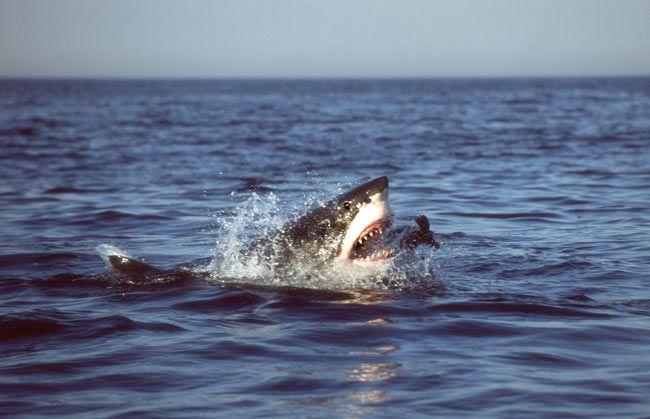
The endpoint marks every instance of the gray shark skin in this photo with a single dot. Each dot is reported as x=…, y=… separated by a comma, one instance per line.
x=353, y=228
x=320, y=234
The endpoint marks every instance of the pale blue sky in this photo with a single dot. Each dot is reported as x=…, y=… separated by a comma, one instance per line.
x=330, y=38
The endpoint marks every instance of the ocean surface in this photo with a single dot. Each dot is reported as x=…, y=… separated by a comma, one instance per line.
x=537, y=304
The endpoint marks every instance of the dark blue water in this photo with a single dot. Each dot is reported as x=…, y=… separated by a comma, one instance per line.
x=537, y=304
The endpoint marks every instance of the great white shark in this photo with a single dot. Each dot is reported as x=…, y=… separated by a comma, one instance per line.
x=354, y=228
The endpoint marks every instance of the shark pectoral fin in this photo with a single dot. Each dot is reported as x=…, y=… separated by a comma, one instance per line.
x=424, y=235
x=132, y=266
x=423, y=222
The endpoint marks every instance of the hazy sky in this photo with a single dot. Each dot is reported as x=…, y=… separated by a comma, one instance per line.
x=335, y=38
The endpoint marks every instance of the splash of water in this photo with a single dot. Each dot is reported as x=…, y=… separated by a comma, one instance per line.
x=261, y=216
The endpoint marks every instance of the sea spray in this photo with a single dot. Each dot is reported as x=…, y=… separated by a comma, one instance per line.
x=262, y=216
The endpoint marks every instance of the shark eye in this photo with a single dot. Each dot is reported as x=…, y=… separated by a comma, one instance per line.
x=346, y=205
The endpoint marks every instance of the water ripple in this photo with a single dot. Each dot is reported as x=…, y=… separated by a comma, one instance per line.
x=536, y=305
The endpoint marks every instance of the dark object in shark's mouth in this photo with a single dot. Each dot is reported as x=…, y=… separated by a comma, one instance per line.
x=370, y=245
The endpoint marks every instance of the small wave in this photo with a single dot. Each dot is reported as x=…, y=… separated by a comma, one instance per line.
x=475, y=329
x=47, y=122
x=25, y=131
x=74, y=190
x=612, y=275
x=250, y=184
x=62, y=281
x=114, y=216
x=454, y=235
x=356, y=335
x=546, y=359
x=570, y=266
x=514, y=308
x=560, y=200
x=485, y=267
x=592, y=173
x=235, y=122
x=111, y=215
x=40, y=323
x=639, y=306
x=528, y=216
x=234, y=350
x=223, y=301
x=293, y=384
x=360, y=307
x=63, y=189
x=522, y=101
x=31, y=127
x=18, y=328
x=36, y=258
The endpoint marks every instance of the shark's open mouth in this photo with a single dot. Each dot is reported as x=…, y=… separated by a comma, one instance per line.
x=370, y=246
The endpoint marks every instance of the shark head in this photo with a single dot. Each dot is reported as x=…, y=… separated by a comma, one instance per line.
x=348, y=228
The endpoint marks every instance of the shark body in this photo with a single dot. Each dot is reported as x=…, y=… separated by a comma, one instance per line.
x=353, y=228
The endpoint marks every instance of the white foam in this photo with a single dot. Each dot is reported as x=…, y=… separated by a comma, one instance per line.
x=260, y=216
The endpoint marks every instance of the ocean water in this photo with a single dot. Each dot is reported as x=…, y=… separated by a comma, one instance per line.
x=536, y=305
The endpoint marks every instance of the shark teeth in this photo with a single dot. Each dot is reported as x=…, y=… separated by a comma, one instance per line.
x=366, y=237
x=376, y=229
x=369, y=252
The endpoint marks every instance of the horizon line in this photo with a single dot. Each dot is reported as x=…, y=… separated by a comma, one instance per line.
x=319, y=77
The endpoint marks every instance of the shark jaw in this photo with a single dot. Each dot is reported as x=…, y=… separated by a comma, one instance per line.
x=362, y=243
